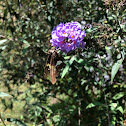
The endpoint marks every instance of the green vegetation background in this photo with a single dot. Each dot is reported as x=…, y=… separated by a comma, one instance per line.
x=90, y=90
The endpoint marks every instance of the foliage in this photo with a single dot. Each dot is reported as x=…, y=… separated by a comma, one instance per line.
x=91, y=89
x=2, y=94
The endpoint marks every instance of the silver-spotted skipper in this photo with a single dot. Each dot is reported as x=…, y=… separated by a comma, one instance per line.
x=53, y=65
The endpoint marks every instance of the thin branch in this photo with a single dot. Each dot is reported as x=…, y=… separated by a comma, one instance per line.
x=79, y=113
x=107, y=109
x=2, y=120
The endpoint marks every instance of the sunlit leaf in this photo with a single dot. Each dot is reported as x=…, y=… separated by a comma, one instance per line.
x=117, y=65
x=3, y=41
x=91, y=29
x=108, y=49
x=118, y=95
x=2, y=94
x=120, y=109
x=16, y=121
x=94, y=104
x=113, y=104
x=65, y=70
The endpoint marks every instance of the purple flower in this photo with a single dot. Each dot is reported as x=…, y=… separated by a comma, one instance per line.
x=68, y=36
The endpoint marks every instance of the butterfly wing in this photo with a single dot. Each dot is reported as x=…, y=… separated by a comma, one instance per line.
x=53, y=71
x=59, y=63
x=53, y=65
x=47, y=68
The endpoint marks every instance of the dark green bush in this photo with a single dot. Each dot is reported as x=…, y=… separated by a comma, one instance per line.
x=91, y=89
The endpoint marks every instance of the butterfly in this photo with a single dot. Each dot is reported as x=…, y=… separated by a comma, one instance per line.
x=53, y=65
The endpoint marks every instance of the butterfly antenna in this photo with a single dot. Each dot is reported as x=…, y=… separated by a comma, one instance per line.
x=48, y=44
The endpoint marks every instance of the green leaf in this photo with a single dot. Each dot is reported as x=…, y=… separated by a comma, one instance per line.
x=25, y=49
x=118, y=95
x=91, y=105
x=2, y=94
x=80, y=61
x=116, y=66
x=113, y=106
x=65, y=70
x=49, y=18
x=3, y=41
x=113, y=123
x=120, y=109
x=67, y=57
x=72, y=60
x=16, y=121
x=26, y=42
x=123, y=26
x=110, y=17
x=56, y=118
x=67, y=66
x=91, y=29
x=108, y=49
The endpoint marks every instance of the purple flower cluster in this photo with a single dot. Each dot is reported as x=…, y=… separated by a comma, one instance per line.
x=68, y=36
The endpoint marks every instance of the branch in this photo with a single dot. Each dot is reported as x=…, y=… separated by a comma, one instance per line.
x=2, y=120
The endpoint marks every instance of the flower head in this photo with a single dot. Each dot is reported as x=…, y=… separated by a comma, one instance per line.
x=68, y=36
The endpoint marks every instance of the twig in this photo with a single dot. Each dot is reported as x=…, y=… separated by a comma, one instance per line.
x=2, y=120
x=79, y=113
x=107, y=109
x=4, y=37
